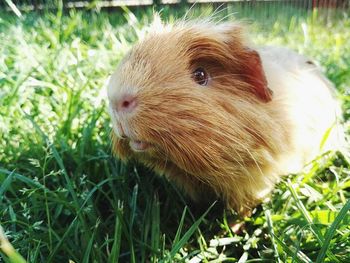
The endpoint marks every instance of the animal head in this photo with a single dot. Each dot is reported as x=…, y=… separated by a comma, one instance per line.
x=192, y=96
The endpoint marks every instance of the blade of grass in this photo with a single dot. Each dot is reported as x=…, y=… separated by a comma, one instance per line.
x=314, y=229
x=72, y=224
x=179, y=229
x=330, y=232
x=9, y=250
x=297, y=255
x=5, y=184
x=176, y=247
x=58, y=160
x=270, y=227
x=25, y=179
x=155, y=229
x=133, y=207
x=13, y=8
x=88, y=248
x=114, y=256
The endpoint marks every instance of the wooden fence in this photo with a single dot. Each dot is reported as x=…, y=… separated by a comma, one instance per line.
x=43, y=4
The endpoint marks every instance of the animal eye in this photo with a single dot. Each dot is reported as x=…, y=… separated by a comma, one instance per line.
x=200, y=76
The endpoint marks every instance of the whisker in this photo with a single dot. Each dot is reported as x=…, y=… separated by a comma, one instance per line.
x=218, y=10
x=225, y=17
x=184, y=19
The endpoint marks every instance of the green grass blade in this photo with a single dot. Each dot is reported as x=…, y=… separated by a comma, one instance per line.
x=326, y=136
x=114, y=256
x=73, y=222
x=5, y=184
x=9, y=250
x=87, y=252
x=272, y=234
x=59, y=161
x=179, y=229
x=24, y=179
x=176, y=247
x=297, y=255
x=133, y=206
x=13, y=8
x=317, y=233
x=330, y=232
x=300, y=205
x=155, y=228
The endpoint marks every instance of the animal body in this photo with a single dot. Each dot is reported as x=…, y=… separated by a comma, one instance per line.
x=197, y=103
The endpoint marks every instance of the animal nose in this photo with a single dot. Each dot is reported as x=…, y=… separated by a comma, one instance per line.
x=126, y=104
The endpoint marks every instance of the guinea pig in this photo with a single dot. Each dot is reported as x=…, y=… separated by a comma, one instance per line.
x=199, y=104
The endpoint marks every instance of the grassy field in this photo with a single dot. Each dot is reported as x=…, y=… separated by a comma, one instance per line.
x=64, y=197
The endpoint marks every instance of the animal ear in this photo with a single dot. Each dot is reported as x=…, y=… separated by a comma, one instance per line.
x=249, y=60
x=253, y=73
x=225, y=46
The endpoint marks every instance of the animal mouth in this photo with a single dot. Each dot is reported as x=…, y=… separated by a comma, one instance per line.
x=123, y=131
x=139, y=146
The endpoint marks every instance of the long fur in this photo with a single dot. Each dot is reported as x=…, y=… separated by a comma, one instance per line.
x=229, y=138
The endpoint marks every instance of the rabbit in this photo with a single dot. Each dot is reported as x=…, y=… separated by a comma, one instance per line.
x=199, y=104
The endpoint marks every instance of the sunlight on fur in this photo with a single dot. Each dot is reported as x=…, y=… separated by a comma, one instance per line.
x=199, y=104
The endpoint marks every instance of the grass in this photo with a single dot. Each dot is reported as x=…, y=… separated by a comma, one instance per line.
x=64, y=197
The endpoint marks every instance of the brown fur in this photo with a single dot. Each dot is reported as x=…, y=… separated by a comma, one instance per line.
x=228, y=137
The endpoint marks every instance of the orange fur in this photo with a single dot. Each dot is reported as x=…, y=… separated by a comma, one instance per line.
x=233, y=137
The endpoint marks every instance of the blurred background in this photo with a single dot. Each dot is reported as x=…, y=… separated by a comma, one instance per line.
x=65, y=198
x=44, y=4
